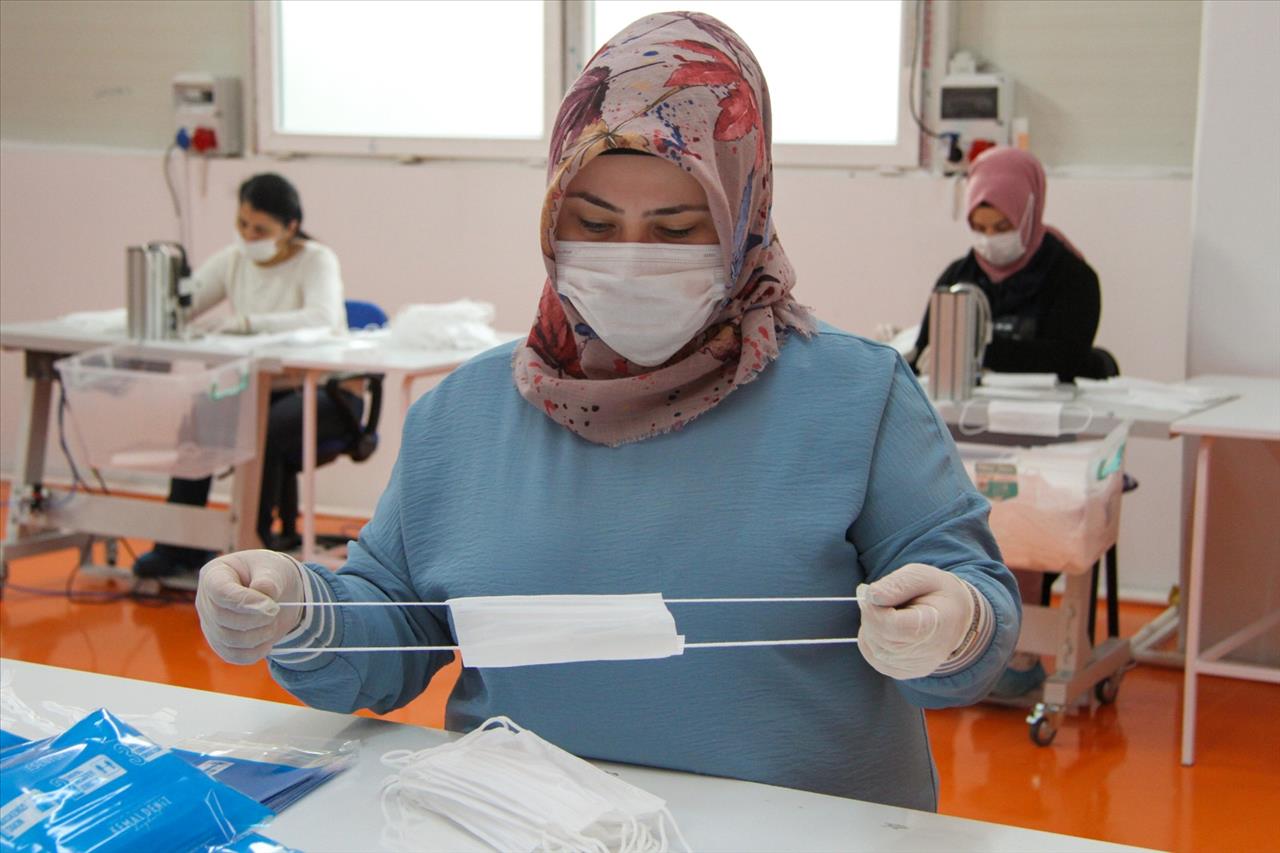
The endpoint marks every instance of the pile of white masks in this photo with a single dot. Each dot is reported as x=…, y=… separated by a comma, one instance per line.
x=461, y=325
x=517, y=792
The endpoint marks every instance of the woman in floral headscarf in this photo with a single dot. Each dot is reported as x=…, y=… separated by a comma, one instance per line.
x=677, y=423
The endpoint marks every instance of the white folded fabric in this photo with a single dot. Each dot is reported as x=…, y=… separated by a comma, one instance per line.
x=464, y=324
x=520, y=630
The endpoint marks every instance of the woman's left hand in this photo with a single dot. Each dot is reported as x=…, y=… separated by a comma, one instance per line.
x=913, y=620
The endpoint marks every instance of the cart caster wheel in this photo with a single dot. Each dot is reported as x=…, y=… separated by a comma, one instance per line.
x=1042, y=732
x=1107, y=690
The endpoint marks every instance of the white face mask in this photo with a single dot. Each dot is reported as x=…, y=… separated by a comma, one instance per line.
x=516, y=791
x=999, y=249
x=1004, y=248
x=258, y=251
x=645, y=300
x=522, y=630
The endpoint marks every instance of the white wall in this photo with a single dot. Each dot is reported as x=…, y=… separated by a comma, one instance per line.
x=1234, y=324
x=867, y=249
x=1103, y=82
x=97, y=72
x=1235, y=271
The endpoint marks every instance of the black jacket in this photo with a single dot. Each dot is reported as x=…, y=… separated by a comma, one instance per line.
x=1045, y=315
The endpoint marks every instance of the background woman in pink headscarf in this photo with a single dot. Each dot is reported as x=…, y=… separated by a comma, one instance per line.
x=1045, y=304
x=1044, y=296
x=674, y=422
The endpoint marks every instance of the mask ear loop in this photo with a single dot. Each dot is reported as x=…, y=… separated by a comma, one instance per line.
x=1028, y=217
x=1088, y=418
x=960, y=425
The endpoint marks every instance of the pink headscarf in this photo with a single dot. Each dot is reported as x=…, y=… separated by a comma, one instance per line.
x=1012, y=181
x=684, y=87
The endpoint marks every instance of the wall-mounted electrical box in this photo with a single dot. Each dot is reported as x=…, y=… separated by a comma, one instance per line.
x=977, y=107
x=207, y=114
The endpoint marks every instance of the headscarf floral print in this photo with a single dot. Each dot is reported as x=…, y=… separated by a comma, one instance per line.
x=684, y=87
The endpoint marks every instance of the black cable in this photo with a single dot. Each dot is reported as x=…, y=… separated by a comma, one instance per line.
x=76, y=480
x=917, y=44
x=162, y=598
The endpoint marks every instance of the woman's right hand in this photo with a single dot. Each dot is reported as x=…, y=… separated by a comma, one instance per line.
x=239, y=598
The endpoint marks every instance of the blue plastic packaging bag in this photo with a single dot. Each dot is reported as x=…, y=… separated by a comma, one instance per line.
x=101, y=786
x=276, y=786
x=8, y=739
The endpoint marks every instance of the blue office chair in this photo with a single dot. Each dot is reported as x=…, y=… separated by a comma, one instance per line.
x=364, y=315
x=358, y=442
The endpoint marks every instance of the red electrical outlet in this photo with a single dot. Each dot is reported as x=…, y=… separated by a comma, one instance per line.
x=204, y=139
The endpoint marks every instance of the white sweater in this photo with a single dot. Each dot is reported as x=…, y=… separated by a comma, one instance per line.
x=303, y=292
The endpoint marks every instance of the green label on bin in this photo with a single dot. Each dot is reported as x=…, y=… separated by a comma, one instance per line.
x=216, y=393
x=997, y=481
x=1109, y=466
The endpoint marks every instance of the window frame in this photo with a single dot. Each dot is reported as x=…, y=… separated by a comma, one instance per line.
x=567, y=45
x=272, y=140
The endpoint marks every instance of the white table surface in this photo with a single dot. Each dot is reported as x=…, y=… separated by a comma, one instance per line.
x=344, y=814
x=1254, y=414
x=1104, y=412
x=360, y=352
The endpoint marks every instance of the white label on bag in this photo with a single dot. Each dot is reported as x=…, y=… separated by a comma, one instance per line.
x=1024, y=417
x=213, y=767
x=21, y=813
x=92, y=775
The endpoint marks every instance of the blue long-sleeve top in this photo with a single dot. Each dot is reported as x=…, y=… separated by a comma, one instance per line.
x=829, y=470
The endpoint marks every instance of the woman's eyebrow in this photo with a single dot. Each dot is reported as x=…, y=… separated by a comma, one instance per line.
x=597, y=201
x=679, y=208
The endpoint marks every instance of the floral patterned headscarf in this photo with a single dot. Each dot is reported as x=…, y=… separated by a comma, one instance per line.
x=684, y=87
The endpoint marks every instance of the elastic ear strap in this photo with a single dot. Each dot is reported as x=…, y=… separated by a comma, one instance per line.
x=1028, y=216
x=728, y=644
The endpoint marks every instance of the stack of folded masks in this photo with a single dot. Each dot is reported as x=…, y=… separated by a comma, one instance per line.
x=516, y=791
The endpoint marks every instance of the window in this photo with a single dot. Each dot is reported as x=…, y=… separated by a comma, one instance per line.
x=837, y=72
x=358, y=76
x=408, y=78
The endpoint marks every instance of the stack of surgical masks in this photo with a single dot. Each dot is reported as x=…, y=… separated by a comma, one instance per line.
x=517, y=792
x=461, y=325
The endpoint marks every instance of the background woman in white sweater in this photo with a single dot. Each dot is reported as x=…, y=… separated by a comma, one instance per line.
x=274, y=278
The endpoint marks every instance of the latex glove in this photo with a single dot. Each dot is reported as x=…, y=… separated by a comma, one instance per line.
x=238, y=599
x=913, y=619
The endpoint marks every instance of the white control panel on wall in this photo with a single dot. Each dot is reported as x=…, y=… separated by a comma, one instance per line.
x=207, y=114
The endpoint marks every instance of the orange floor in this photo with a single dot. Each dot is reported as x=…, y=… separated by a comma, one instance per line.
x=1113, y=776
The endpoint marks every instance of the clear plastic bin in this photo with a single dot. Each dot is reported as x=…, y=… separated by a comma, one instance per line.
x=131, y=408
x=1054, y=508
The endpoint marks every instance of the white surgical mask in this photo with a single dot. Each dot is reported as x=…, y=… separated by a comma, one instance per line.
x=999, y=249
x=523, y=630
x=645, y=300
x=1004, y=248
x=259, y=251
x=516, y=791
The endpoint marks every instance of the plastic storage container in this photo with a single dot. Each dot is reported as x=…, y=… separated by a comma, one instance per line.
x=1054, y=508
x=139, y=409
